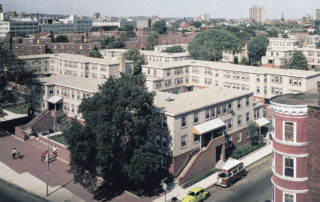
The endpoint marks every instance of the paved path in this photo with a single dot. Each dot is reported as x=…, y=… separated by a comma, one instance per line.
x=180, y=192
x=9, y=116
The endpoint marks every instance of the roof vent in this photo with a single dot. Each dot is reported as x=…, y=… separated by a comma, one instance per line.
x=169, y=99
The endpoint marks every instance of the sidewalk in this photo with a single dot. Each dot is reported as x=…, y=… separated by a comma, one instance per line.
x=180, y=192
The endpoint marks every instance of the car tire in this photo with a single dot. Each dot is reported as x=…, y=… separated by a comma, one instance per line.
x=206, y=196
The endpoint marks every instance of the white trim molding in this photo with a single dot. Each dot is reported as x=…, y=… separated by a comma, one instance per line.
x=293, y=110
x=291, y=155
x=298, y=144
x=290, y=191
x=300, y=179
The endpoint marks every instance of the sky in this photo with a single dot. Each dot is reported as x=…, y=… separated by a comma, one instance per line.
x=234, y=9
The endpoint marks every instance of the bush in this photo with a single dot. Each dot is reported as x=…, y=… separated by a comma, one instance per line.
x=245, y=149
x=200, y=177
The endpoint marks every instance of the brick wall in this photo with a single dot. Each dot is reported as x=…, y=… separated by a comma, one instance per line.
x=314, y=154
x=205, y=161
x=179, y=161
x=44, y=124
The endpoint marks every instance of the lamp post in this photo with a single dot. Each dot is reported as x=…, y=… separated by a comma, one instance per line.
x=164, y=187
x=47, y=173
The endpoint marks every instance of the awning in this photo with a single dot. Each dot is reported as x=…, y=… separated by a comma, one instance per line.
x=54, y=99
x=208, y=126
x=262, y=122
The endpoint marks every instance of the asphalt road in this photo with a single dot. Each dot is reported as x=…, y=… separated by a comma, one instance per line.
x=255, y=187
x=11, y=193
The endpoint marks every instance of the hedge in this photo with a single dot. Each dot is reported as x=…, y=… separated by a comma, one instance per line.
x=200, y=177
x=245, y=149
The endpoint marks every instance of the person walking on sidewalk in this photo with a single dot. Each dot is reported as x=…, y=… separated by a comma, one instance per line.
x=14, y=152
x=55, y=153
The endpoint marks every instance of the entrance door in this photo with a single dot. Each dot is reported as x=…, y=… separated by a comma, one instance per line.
x=218, y=153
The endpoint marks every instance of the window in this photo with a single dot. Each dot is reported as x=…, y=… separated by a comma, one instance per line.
x=219, y=110
x=183, y=121
x=184, y=140
x=239, y=104
x=224, y=108
x=164, y=142
x=196, y=138
x=230, y=105
x=239, y=120
x=288, y=197
x=289, y=131
x=258, y=90
x=196, y=117
x=247, y=101
x=229, y=124
x=239, y=137
x=289, y=167
x=207, y=113
x=228, y=141
x=248, y=116
x=213, y=112
x=158, y=141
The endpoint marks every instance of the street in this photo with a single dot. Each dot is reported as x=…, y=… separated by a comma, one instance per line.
x=255, y=187
x=11, y=193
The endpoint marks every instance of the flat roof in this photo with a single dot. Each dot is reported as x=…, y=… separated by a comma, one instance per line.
x=230, y=164
x=23, y=57
x=309, y=97
x=84, y=84
x=195, y=100
x=235, y=67
x=150, y=53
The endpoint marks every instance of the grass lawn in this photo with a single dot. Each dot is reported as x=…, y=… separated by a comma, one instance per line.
x=18, y=109
x=59, y=138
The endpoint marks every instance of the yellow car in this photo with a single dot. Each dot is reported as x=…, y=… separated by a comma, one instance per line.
x=196, y=194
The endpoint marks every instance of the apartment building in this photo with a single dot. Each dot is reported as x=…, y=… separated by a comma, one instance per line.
x=279, y=58
x=257, y=14
x=57, y=27
x=318, y=14
x=80, y=24
x=76, y=66
x=149, y=56
x=295, y=132
x=204, y=122
x=264, y=82
x=288, y=43
x=62, y=93
x=19, y=27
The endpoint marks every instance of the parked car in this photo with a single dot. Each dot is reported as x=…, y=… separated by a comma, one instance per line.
x=196, y=194
x=231, y=172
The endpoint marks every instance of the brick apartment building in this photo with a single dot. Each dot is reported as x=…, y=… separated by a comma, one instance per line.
x=296, y=139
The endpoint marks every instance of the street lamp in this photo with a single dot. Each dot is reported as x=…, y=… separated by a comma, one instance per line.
x=47, y=173
x=164, y=187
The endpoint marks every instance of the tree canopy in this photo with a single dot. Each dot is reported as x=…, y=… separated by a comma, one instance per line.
x=14, y=71
x=112, y=42
x=61, y=39
x=173, y=49
x=118, y=138
x=298, y=61
x=160, y=27
x=257, y=48
x=209, y=45
x=95, y=53
x=152, y=40
x=138, y=58
x=130, y=34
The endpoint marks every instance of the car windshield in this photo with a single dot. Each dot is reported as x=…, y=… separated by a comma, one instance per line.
x=222, y=175
x=191, y=193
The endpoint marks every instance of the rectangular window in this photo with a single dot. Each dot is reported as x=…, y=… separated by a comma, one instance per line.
x=229, y=124
x=239, y=137
x=183, y=121
x=213, y=112
x=164, y=142
x=239, y=120
x=289, y=167
x=184, y=140
x=239, y=104
x=219, y=110
x=288, y=197
x=230, y=105
x=196, y=117
x=229, y=141
x=224, y=108
x=247, y=101
x=288, y=131
x=248, y=116
x=196, y=138
x=158, y=141
x=207, y=113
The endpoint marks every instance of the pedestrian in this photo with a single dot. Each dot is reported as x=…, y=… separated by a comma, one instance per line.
x=55, y=151
x=14, y=152
x=43, y=156
x=46, y=156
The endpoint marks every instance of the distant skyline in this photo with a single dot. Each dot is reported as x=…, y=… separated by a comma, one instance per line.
x=292, y=9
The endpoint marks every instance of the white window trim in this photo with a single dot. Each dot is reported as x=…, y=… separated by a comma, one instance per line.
x=239, y=139
x=294, y=167
x=294, y=131
x=186, y=122
x=186, y=141
x=284, y=193
x=205, y=114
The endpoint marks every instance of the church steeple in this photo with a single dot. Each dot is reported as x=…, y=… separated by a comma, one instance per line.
x=282, y=17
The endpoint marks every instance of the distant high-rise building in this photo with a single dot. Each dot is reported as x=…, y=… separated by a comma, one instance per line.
x=257, y=14
x=96, y=14
x=282, y=17
x=318, y=14
x=307, y=19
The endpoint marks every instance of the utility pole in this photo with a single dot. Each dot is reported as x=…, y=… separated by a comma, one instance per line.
x=47, y=173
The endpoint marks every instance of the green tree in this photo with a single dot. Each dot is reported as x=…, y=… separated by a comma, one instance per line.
x=61, y=39
x=95, y=53
x=252, y=132
x=318, y=45
x=196, y=24
x=118, y=138
x=130, y=34
x=160, y=27
x=298, y=61
x=12, y=70
x=285, y=35
x=173, y=49
x=273, y=33
x=209, y=45
x=257, y=48
x=117, y=43
x=138, y=58
x=235, y=60
x=152, y=40
x=244, y=61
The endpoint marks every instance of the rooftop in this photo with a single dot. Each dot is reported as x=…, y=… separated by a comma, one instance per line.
x=150, y=53
x=309, y=97
x=88, y=85
x=236, y=68
x=176, y=104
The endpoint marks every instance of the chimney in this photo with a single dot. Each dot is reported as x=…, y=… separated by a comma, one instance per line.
x=318, y=92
